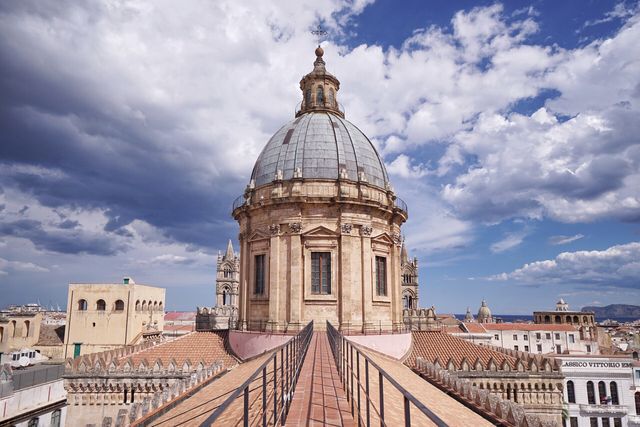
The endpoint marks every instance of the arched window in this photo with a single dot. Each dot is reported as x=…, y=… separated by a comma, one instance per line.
x=25, y=331
x=331, y=97
x=614, y=393
x=155, y=306
x=547, y=319
x=55, y=418
x=119, y=305
x=138, y=306
x=149, y=305
x=558, y=319
x=307, y=98
x=576, y=319
x=144, y=306
x=602, y=392
x=1, y=333
x=591, y=393
x=160, y=306
x=224, y=297
x=637, y=399
x=571, y=392
x=584, y=319
x=410, y=302
x=319, y=96
x=82, y=305
x=14, y=327
x=568, y=319
x=101, y=305
x=405, y=301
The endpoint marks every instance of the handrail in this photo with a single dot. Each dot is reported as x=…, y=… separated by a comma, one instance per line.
x=343, y=353
x=292, y=355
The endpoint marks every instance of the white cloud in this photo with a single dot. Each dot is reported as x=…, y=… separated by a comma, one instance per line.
x=510, y=241
x=617, y=267
x=563, y=240
x=7, y=266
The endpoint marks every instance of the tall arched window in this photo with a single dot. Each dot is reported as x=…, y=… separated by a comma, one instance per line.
x=602, y=392
x=332, y=97
x=571, y=392
x=591, y=393
x=101, y=305
x=557, y=319
x=225, y=295
x=82, y=305
x=319, y=96
x=144, y=306
x=160, y=306
x=119, y=305
x=307, y=98
x=138, y=306
x=575, y=319
x=568, y=319
x=14, y=327
x=1, y=333
x=614, y=393
x=547, y=319
x=25, y=331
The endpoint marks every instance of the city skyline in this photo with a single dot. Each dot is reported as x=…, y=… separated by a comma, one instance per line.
x=509, y=129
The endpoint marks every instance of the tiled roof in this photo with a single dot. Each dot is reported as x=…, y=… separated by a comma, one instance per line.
x=476, y=328
x=51, y=335
x=176, y=328
x=432, y=345
x=528, y=327
x=180, y=315
x=208, y=347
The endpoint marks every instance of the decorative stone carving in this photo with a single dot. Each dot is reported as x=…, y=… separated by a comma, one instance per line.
x=366, y=230
x=346, y=228
x=295, y=227
x=397, y=239
x=274, y=229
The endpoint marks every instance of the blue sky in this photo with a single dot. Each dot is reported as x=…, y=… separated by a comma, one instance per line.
x=511, y=130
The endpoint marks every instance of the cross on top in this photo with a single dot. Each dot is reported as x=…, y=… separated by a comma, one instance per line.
x=319, y=32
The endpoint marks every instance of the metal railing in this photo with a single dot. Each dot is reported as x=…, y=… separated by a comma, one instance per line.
x=346, y=328
x=371, y=410
x=271, y=385
x=400, y=204
x=239, y=201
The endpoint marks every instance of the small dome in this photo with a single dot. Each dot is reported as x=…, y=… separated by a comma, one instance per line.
x=320, y=145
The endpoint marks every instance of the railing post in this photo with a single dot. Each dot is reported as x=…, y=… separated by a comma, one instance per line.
x=246, y=406
x=351, y=369
x=366, y=374
x=407, y=412
x=381, y=387
x=282, y=386
x=264, y=397
x=358, y=373
x=275, y=387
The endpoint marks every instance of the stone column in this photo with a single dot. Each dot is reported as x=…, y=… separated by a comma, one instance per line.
x=274, y=321
x=295, y=289
x=396, y=291
x=366, y=276
x=348, y=308
x=243, y=285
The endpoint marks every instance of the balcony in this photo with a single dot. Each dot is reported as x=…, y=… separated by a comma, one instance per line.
x=603, y=410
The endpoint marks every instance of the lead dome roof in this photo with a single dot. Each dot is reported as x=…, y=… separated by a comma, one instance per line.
x=320, y=145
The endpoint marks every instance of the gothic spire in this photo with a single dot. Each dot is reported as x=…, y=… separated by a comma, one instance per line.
x=229, y=254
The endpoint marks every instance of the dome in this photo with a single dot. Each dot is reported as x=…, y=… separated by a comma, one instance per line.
x=484, y=311
x=319, y=145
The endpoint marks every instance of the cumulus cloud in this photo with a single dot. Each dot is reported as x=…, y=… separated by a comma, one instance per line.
x=617, y=266
x=6, y=266
x=563, y=240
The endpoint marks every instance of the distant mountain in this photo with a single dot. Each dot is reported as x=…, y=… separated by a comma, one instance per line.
x=614, y=310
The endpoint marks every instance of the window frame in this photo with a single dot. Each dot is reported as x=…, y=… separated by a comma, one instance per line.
x=259, y=291
x=323, y=258
x=380, y=260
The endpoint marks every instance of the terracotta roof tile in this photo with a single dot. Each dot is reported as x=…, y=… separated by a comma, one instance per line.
x=180, y=315
x=476, y=328
x=209, y=347
x=432, y=345
x=51, y=335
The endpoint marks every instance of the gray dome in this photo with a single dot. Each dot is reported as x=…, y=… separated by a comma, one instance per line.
x=319, y=145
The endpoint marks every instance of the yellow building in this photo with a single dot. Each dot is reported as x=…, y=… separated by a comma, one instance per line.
x=19, y=330
x=320, y=224
x=105, y=316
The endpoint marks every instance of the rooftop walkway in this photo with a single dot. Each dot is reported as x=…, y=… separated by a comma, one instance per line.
x=319, y=399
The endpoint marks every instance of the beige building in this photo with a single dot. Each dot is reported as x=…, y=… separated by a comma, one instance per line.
x=105, y=316
x=409, y=272
x=19, y=330
x=320, y=224
x=583, y=320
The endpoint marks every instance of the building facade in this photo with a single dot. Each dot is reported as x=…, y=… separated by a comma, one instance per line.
x=584, y=321
x=320, y=224
x=409, y=271
x=598, y=391
x=227, y=278
x=540, y=339
x=105, y=316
